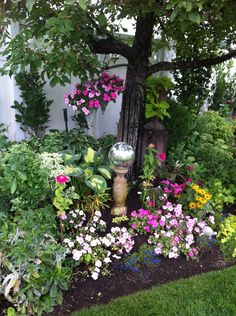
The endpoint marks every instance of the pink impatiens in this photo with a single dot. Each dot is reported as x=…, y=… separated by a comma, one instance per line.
x=170, y=231
x=95, y=93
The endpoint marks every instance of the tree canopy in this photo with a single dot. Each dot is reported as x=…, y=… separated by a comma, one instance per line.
x=63, y=38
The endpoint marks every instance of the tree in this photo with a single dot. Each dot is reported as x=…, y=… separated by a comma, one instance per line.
x=63, y=37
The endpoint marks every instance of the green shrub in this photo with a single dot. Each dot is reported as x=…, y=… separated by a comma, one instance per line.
x=33, y=112
x=210, y=145
x=21, y=175
x=227, y=236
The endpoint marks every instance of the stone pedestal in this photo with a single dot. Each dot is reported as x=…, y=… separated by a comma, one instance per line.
x=120, y=191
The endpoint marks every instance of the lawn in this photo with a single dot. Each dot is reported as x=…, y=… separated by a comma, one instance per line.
x=211, y=294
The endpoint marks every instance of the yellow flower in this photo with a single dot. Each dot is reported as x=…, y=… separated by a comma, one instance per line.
x=192, y=205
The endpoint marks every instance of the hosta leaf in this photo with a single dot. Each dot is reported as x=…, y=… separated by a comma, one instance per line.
x=97, y=184
x=90, y=155
x=105, y=172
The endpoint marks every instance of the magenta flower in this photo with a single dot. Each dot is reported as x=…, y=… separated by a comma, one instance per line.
x=134, y=226
x=147, y=229
x=161, y=156
x=150, y=203
x=61, y=179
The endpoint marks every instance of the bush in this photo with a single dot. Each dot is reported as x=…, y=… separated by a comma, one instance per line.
x=227, y=237
x=21, y=175
x=32, y=262
x=210, y=148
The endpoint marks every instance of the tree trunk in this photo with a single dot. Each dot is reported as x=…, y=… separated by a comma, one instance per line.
x=133, y=102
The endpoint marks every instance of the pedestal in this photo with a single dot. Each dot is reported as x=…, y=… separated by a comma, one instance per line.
x=120, y=191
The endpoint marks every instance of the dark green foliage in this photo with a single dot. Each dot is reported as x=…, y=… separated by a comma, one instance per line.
x=21, y=175
x=180, y=124
x=34, y=110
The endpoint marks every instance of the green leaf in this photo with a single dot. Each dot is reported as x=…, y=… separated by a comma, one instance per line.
x=70, y=1
x=77, y=171
x=83, y=4
x=105, y=172
x=13, y=186
x=189, y=6
x=11, y=311
x=194, y=17
x=88, y=172
x=88, y=258
x=97, y=184
x=90, y=155
x=30, y=4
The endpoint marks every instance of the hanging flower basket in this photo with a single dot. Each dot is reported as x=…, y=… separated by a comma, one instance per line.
x=88, y=97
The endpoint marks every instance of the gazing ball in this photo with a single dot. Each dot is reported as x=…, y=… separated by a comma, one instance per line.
x=121, y=155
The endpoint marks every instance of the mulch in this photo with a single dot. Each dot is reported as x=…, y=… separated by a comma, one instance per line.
x=84, y=293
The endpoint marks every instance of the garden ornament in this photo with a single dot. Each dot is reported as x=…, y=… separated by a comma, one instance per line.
x=121, y=157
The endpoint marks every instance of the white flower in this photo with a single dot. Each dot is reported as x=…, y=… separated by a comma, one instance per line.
x=98, y=263
x=92, y=229
x=76, y=254
x=81, y=213
x=71, y=244
x=88, y=238
x=97, y=269
x=207, y=231
x=94, y=275
x=107, y=260
x=102, y=223
x=98, y=213
x=116, y=257
x=95, y=219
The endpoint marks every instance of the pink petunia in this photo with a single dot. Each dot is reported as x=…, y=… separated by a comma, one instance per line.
x=61, y=179
x=161, y=156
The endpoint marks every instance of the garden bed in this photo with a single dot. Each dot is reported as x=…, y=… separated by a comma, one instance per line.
x=87, y=292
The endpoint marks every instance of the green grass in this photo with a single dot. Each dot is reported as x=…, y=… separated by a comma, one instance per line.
x=211, y=294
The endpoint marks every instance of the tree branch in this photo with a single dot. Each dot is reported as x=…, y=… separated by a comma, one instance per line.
x=190, y=64
x=107, y=67
x=112, y=46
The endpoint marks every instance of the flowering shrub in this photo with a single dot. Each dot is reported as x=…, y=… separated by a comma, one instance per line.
x=89, y=247
x=53, y=163
x=95, y=93
x=171, y=232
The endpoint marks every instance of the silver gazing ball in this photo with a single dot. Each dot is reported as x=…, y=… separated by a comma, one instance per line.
x=121, y=155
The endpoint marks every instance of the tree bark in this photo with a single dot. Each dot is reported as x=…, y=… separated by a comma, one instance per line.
x=137, y=72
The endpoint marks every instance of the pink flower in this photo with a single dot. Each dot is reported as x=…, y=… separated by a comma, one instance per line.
x=150, y=203
x=85, y=93
x=86, y=111
x=162, y=222
x=61, y=179
x=147, y=229
x=74, y=107
x=191, y=254
x=134, y=226
x=161, y=156
x=106, y=97
x=190, y=168
x=91, y=94
x=113, y=95
x=134, y=214
x=63, y=216
x=91, y=104
x=96, y=103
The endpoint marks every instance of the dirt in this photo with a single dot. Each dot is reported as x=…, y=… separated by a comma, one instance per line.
x=84, y=293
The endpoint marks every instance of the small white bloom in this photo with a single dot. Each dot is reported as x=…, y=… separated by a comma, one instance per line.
x=208, y=231
x=94, y=275
x=92, y=229
x=107, y=260
x=88, y=238
x=98, y=263
x=98, y=213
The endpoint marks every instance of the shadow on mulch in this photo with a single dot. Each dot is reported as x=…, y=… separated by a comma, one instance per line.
x=84, y=293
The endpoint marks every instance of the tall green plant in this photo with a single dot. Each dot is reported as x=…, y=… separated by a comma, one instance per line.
x=33, y=112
